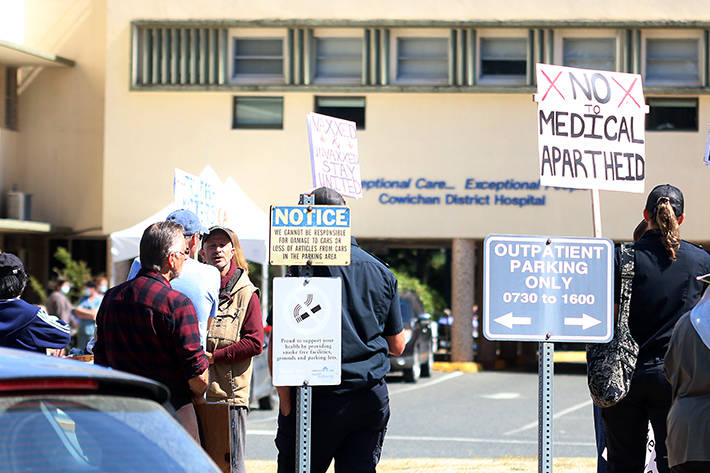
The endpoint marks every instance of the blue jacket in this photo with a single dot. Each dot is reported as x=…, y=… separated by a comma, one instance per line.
x=28, y=327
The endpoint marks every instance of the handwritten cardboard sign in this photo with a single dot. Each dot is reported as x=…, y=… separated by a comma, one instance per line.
x=591, y=129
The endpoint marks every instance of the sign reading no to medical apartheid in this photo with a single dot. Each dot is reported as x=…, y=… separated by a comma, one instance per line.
x=319, y=234
x=307, y=331
x=335, y=161
x=194, y=193
x=591, y=129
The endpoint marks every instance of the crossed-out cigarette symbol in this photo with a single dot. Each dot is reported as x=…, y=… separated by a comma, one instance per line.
x=307, y=310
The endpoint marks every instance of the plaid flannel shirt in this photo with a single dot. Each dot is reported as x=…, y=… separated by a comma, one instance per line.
x=147, y=328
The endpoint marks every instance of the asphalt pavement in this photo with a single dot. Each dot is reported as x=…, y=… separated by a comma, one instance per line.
x=490, y=414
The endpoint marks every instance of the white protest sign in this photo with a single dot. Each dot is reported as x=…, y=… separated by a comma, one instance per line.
x=307, y=336
x=591, y=129
x=194, y=193
x=335, y=161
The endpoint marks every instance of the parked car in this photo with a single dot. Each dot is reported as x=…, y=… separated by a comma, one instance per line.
x=262, y=392
x=418, y=356
x=64, y=416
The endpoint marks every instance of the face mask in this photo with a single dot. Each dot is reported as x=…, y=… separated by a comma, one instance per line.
x=65, y=289
x=103, y=288
x=87, y=292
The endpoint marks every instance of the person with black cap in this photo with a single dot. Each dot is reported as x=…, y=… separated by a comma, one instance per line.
x=664, y=287
x=349, y=420
x=235, y=336
x=23, y=325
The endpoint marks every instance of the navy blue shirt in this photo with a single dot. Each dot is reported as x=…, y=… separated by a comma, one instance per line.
x=370, y=312
x=662, y=290
x=28, y=327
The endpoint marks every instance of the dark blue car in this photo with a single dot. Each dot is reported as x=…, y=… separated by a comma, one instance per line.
x=65, y=416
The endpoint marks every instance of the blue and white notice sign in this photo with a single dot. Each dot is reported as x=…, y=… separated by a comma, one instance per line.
x=319, y=234
x=548, y=289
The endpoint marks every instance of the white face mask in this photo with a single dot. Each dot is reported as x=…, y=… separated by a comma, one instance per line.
x=65, y=289
x=103, y=288
x=87, y=292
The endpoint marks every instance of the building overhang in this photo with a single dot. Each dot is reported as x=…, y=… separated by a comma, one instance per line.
x=15, y=55
x=9, y=225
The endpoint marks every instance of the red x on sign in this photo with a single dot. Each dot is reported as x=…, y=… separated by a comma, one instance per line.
x=628, y=92
x=552, y=85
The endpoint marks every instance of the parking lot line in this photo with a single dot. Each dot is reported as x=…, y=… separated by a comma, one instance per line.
x=557, y=415
x=420, y=385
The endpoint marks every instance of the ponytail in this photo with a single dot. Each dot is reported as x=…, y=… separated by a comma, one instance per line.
x=668, y=226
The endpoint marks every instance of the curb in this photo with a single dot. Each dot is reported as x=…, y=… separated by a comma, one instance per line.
x=466, y=367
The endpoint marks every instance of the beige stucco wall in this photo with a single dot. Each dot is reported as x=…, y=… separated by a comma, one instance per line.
x=61, y=114
x=447, y=137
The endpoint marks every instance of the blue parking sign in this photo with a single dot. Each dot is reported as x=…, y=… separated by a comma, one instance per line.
x=548, y=289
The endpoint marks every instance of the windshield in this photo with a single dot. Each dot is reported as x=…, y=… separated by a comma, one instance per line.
x=76, y=434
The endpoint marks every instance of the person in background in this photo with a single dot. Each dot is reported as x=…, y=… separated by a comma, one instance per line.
x=102, y=285
x=147, y=328
x=664, y=288
x=350, y=420
x=235, y=336
x=58, y=303
x=85, y=311
x=22, y=325
x=687, y=368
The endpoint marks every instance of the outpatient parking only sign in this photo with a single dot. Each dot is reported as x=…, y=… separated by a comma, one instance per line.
x=548, y=289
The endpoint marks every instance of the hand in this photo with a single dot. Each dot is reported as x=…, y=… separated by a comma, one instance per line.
x=210, y=357
x=284, y=407
x=197, y=400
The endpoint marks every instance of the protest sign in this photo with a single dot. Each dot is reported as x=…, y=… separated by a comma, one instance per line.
x=194, y=193
x=591, y=129
x=706, y=159
x=335, y=161
x=307, y=331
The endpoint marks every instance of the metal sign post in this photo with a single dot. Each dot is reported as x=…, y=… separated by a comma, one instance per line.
x=546, y=369
x=304, y=393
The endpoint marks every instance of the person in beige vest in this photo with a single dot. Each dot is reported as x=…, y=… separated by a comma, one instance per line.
x=235, y=335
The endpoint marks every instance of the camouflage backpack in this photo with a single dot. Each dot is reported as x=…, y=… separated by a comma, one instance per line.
x=610, y=366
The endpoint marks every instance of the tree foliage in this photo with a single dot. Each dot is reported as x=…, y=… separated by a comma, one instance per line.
x=77, y=273
x=434, y=304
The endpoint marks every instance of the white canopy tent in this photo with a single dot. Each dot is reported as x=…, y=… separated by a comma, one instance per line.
x=239, y=213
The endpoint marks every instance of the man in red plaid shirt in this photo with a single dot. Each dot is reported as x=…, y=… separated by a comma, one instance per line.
x=147, y=328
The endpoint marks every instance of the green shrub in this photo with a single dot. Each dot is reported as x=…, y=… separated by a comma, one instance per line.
x=432, y=300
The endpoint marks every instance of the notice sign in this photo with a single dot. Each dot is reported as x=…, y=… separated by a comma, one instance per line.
x=335, y=162
x=319, y=234
x=554, y=289
x=307, y=335
x=591, y=129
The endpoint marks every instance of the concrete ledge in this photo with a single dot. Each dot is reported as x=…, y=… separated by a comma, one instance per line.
x=466, y=367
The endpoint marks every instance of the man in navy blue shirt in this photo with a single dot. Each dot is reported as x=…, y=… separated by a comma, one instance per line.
x=349, y=420
x=23, y=325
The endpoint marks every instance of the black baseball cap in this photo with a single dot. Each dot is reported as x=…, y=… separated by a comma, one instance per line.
x=11, y=263
x=326, y=196
x=674, y=195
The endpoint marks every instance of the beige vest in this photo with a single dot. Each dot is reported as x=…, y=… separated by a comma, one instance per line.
x=230, y=382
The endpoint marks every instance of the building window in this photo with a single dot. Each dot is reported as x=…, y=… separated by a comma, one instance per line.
x=258, y=113
x=672, y=114
x=672, y=61
x=589, y=53
x=338, y=60
x=422, y=60
x=347, y=108
x=258, y=60
x=503, y=60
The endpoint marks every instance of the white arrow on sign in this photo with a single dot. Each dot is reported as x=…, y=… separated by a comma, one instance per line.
x=508, y=320
x=585, y=321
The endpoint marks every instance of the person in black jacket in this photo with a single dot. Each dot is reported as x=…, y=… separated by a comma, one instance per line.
x=23, y=325
x=664, y=287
